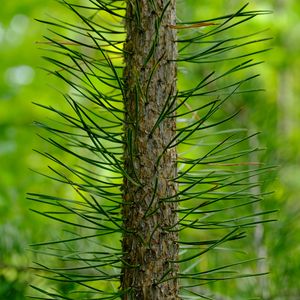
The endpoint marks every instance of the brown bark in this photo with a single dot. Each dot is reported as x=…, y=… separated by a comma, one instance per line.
x=150, y=241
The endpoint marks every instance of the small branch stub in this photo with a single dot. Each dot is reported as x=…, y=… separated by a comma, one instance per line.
x=196, y=25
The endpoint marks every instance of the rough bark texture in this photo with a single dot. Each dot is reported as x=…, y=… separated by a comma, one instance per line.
x=150, y=243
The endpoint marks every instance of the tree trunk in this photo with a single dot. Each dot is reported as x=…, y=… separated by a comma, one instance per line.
x=149, y=190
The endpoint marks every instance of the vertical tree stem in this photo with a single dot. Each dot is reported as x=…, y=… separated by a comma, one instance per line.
x=149, y=190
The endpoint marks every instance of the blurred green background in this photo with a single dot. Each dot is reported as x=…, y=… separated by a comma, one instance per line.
x=275, y=112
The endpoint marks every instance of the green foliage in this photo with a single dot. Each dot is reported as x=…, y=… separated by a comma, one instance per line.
x=277, y=119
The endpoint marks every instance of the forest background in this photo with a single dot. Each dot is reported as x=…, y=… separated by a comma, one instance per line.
x=275, y=112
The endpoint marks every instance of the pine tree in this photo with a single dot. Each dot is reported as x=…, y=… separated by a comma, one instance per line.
x=126, y=124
